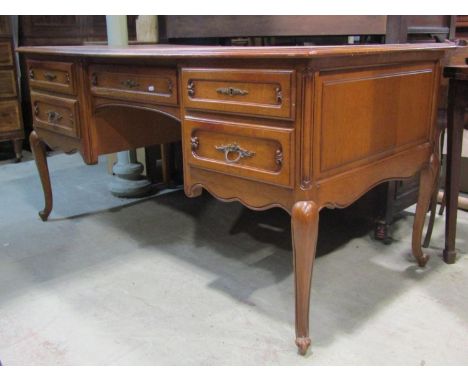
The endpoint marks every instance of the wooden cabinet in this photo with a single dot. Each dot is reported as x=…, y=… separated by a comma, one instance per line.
x=11, y=122
x=66, y=30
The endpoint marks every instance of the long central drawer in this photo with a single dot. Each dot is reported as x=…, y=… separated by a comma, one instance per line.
x=141, y=84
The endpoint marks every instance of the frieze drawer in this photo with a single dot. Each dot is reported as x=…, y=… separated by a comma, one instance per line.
x=7, y=83
x=10, y=119
x=267, y=93
x=6, y=54
x=147, y=85
x=52, y=76
x=259, y=153
x=59, y=115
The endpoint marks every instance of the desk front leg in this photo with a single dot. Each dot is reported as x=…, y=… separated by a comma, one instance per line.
x=39, y=150
x=304, y=221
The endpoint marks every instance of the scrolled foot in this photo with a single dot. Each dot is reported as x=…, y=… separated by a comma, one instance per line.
x=422, y=260
x=303, y=344
x=44, y=215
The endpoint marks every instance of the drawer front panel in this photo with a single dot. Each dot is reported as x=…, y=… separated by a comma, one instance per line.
x=7, y=83
x=9, y=116
x=148, y=85
x=268, y=93
x=6, y=54
x=60, y=115
x=259, y=152
x=53, y=76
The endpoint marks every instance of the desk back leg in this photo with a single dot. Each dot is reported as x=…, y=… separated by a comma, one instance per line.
x=304, y=222
x=39, y=150
x=427, y=183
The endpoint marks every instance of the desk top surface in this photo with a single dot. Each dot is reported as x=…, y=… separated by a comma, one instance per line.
x=193, y=51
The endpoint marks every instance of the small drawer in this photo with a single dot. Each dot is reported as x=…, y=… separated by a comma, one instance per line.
x=148, y=85
x=267, y=93
x=53, y=76
x=6, y=54
x=246, y=151
x=60, y=115
x=7, y=83
x=9, y=116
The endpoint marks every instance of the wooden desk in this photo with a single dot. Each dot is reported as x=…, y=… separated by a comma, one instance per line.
x=457, y=104
x=301, y=128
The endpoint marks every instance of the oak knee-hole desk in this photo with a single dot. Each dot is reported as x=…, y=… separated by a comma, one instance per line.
x=301, y=128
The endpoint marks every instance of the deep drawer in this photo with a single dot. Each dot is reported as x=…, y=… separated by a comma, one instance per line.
x=149, y=85
x=259, y=152
x=60, y=115
x=9, y=116
x=268, y=93
x=52, y=76
x=7, y=83
x=6, y=54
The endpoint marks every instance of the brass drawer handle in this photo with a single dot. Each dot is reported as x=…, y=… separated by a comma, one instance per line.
x=94, y=79
x=279, y=95
x=36, y=109
x=53, y=116
x=195, y=143
x=31, y=74
x=130, y=84
x=191, y=88
x=236, y=149
x=279, y=157
x=50, y=76
x=231, y=91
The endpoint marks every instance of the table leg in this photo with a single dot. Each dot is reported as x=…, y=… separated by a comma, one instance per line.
x=18, y=147
x=455, y=121
x=304, y=221
x=427, y=181
x=39, y=150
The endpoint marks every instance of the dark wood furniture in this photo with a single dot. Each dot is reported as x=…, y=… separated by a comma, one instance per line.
x=457, y=104
x=301, y=128
x=67, y=29
x=11, y=122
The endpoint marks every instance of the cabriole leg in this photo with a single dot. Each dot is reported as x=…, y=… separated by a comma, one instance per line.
x=426, y=186
x=304, y=221
x=39, y=150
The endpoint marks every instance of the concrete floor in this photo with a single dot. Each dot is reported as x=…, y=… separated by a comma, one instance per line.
x=174, y=281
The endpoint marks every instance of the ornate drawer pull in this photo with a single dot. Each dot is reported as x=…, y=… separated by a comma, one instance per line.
x=191, y=88
x=231, y=91
x=94, y=79
x=53, y=116
x=279, y=157
x=234, y=148
x=50, y=76
x=130, y=84
x=279, y=95
x=195, y=143
x=31, y=74
x=170, y=86
x=36, y=109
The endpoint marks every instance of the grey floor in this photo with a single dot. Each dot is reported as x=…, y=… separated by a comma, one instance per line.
x=173, y=281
